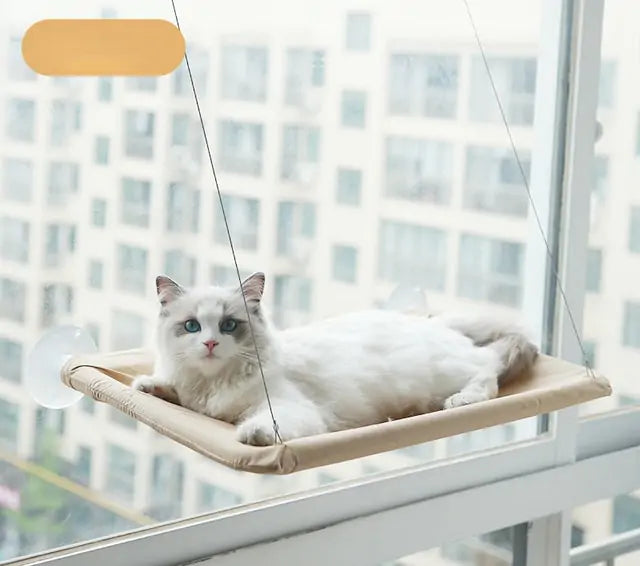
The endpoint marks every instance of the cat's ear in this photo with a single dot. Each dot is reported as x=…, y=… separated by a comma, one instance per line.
x=168, y=290
x=253, y=287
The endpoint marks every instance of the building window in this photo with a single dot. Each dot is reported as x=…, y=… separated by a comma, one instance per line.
x=626, y=513
x=96, y=274
x=413, y=255
x=66, y=120
x=243, y=216
x=304, y=76
x=358, y=37
x=224, y=276
x=606, y=90
x=132, y=269
x=292, y=300
x=14, y=239
x=17, y=69
x=120, y=472
x=10, y=360
x=180, y=267
x=20, y=119
x=212, y=497
x=244, y=73
x=418, y=170
x=354, y=108
x=138, y=135
x=88, y=405
x=296, y=228
x=105, y=89
x=300, y=154
x=423, y=85
x=17, y=179
x=199, y=63
x=127, y=330
x=141, y=84
x=180, y=129
x=64, y=179
x=57, y=302
x=167, y=479
x=594, y=270
x=121, y=419
x=136, y=202
x=60, y=242
x=634, y=229
x=101, y=155
x=631, y=329
x=240, y=148
x=589, y=352
x=345, y=263
x=82, y=466
x=490, y=270
x=493, y=181
x=9, y=424
x=183, y=208
x=515, y=80
x=349, y=186
x=99, y=212
x=13, y=296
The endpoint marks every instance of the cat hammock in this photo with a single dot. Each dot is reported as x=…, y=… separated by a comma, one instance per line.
x=554, y=384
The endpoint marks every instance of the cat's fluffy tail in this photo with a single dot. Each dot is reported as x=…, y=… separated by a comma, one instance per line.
x=494, y=330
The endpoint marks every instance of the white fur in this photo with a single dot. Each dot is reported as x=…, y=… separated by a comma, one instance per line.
x=353, y=370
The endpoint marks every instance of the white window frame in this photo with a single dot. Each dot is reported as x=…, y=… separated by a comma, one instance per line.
x=392, y=514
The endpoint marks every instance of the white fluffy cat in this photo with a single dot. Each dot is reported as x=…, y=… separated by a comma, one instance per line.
x=348, y=371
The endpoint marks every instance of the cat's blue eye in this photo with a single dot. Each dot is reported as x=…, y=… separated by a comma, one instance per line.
x=228, y=325
x=192, y=325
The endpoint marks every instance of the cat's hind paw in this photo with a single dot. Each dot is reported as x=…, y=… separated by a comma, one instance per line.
x=464, y=398
x=256, y=432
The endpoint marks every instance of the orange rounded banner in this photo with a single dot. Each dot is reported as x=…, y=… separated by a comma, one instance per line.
x=103, y=47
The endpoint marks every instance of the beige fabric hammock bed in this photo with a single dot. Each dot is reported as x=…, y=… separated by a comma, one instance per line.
x=554, y=384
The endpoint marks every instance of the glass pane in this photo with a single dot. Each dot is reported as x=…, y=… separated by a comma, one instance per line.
x=354, y=159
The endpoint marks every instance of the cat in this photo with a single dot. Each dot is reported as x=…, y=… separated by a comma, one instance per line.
x=344, y=372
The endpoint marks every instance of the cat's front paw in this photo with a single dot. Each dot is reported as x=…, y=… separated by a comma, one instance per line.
x=256, y=432
x=148, y=384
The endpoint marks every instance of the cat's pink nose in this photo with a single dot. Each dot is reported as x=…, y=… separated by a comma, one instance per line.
x=210, y=344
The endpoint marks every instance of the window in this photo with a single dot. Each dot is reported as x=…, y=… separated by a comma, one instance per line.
x=105, y=89
x=96, y=274
x=423, y=85
x=14, y=239
x=10, y=360
x=17, y=69
x=66, y=120
x=183, y=208
x=304, y=76
x=17, y=179
x=138, y=135
x=88, y=405
x=99, y=212
x=634, y=229
x=60, y=243
x=215, y=497
x=226, y=276
x=515, y=80
x=418, y=170
x=300, y=154
x=180, y=129
x=199, y=62
x=594, y=270
x=345, y=263
x=167, y=478
x=132, y=269
x=120, y=472
x=590, y=352
x=240, y=147
x=13, y=296
x=606, y=91
x=118, y=417
x=94, y=330
x=180, y=267
x=626, y=513
x=20, y=119
x=292, y=300
x=244, y=73
x=296, y=227
x=57, y=303
x=490, y=270
x=493, y=181
x=631, y=327
x=9, y=423
x=63, y=181
x=412, y=255
x=358, y=32
x=101, y=156
x=127, y=330
x=82, y=465
x=243, y=215
x=186, y=144
x=349, y=186
x=141, y=84
x=354, y=108
x=136, y=202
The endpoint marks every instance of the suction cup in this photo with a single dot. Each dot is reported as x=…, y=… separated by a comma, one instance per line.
x=406, y=298
x=44, y=364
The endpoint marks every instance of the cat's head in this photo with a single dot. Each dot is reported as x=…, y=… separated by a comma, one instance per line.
x=206, y=329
